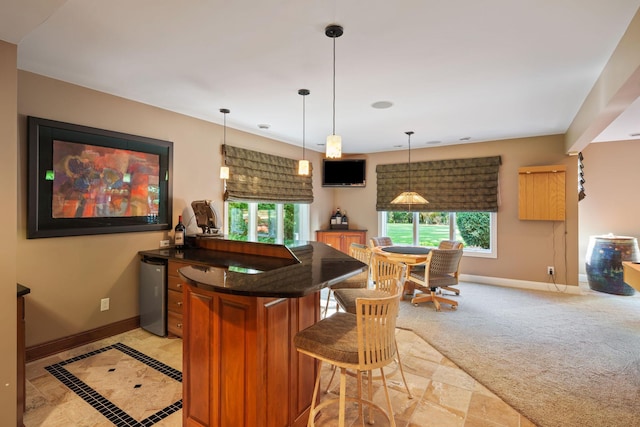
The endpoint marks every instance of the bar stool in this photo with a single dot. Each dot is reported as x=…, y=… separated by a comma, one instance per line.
x=359, y=343
x=388, y=278
x=361, y=253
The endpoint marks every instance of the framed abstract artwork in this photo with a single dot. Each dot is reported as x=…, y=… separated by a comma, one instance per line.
x=84, y=180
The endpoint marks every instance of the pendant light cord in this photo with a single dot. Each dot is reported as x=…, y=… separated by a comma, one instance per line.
x=409, y=133
x=334, y=85
x=409, y=162
x=303, y=124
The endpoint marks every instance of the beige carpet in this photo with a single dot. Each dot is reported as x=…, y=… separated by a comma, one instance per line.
x=559, y=359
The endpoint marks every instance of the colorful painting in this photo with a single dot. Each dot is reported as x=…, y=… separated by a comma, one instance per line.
x=91, y=181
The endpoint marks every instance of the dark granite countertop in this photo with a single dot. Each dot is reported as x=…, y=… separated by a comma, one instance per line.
x=23, y=290
x=208, y=257
x=317, y=266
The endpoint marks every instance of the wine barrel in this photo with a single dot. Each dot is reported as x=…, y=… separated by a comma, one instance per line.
x=604, y=262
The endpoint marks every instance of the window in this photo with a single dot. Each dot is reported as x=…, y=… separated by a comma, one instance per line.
x=476, y=229
x=280, y=223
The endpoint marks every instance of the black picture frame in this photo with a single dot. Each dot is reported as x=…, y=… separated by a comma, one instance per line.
x=99, y=186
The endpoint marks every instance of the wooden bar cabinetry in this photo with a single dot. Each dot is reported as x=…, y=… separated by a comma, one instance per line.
x=237, y=306
x=239, y=357
x=21, y=357
x=174, y=298
x=341, y=239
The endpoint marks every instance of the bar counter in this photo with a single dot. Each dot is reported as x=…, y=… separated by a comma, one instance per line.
x=242, y=305
x=314, y=266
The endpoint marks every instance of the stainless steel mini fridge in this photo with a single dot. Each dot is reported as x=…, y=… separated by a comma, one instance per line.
x=153, y=295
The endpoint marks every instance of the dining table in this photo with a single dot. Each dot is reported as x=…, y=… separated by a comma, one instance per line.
x=407, y=254
x=410, y=255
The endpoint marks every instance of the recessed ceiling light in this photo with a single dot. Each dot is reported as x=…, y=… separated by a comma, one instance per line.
x=465, y=138
x=381, y=105
x=397, y=146
x=434, y=142
x=264, y=126
x=634, y=135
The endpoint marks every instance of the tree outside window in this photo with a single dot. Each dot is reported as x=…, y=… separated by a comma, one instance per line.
x=429, y=228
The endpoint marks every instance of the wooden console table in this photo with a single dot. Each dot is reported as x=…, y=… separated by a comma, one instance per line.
x=631, y=274
x=22, y=291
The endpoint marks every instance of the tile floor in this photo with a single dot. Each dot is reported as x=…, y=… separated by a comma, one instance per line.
x=444, y=395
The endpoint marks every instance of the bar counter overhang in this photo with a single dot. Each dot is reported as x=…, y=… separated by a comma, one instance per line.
x=243, y=304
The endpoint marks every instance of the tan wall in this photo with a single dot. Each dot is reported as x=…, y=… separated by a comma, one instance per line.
x=611, y=173
x=69, y=275
x=525, y=248
x=8, y=177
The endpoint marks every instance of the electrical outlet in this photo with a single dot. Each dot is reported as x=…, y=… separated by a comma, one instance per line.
x=551, y=271
x=104, y=304
x=164, y=243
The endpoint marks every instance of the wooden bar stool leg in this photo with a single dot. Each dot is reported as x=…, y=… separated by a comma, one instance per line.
x=386, y=393
x=370, y=386
x=404, y=380
x=343, y=396
x=360, y=409
x=312, y=415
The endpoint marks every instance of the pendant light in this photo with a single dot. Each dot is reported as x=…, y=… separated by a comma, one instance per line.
x=224, y=170
x=334, y=142
x=303, y=165
x=409, y=197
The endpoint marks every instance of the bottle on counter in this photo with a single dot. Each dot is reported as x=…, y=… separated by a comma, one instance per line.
x=332, y=220
x=178, y=237
x=345, y=220
x=338, y=216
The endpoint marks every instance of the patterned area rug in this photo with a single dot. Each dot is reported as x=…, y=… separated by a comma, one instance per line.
x=561, y=360
x=126, y=386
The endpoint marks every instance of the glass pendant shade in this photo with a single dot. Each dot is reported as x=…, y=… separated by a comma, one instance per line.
x=334, y=147
x=224, y=172
x=303, y=167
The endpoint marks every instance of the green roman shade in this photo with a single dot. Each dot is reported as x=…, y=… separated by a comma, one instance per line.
x=256, y=176
x=458, y=185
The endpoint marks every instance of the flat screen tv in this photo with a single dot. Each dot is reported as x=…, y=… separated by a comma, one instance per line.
x=85, y=180
x=344, y=173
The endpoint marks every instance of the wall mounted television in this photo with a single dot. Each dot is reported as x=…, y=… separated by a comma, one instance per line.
x=344, y=173
x=84, y=180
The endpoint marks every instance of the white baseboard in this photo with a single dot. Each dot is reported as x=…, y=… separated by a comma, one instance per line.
x=526, y=284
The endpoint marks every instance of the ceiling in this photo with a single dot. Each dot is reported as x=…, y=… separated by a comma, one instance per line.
x=458, y=71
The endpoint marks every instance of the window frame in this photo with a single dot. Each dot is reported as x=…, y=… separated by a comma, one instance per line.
x=471, y=252
x=252, y=226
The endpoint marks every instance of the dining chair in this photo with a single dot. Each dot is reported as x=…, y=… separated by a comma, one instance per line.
x=359, y=343
x=441, y=268
x=380, y=241
x=450, y=244
x=361, y=253
x=387, y=277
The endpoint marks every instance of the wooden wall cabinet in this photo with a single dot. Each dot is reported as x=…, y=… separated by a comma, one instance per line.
x=541, y=193
x=175, y=301
x=341, y=239
x=240, y=365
